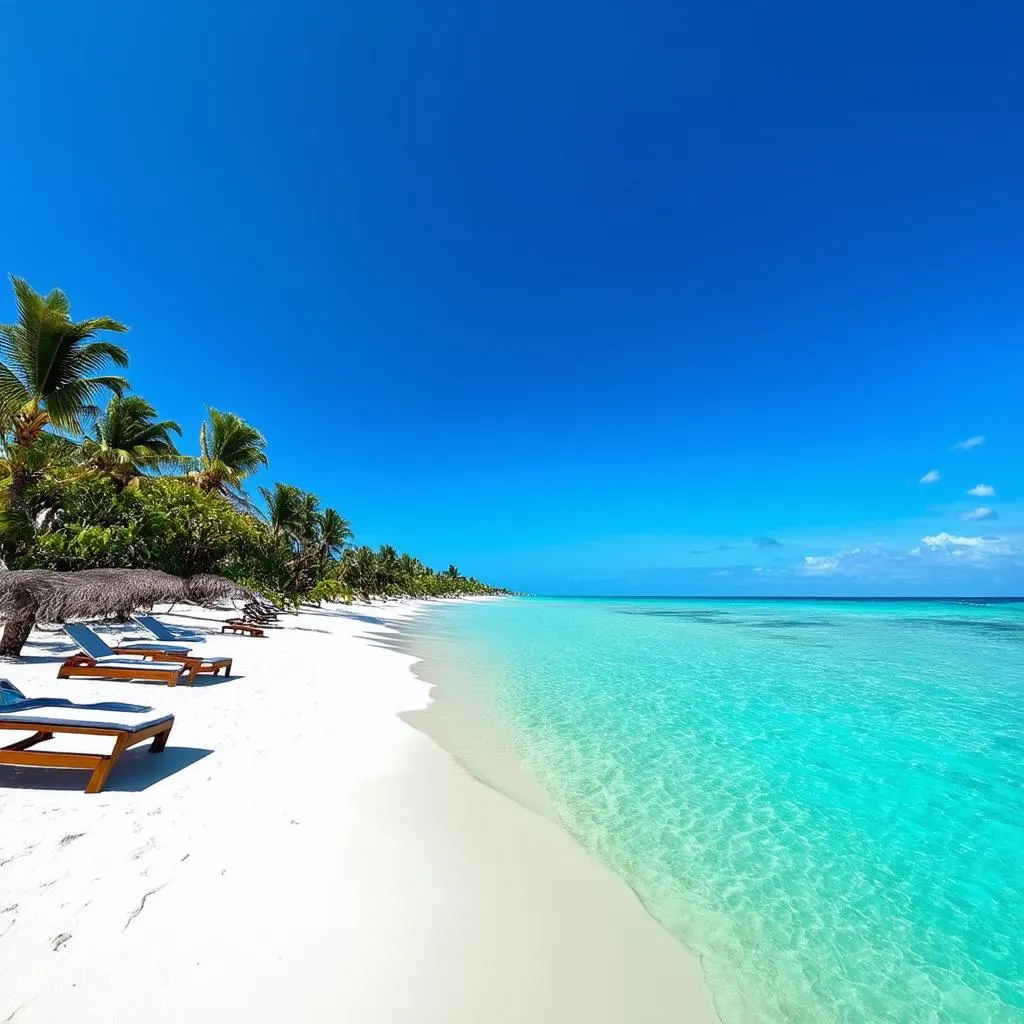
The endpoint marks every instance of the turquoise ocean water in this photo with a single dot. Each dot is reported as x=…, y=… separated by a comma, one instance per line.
x=824, y=800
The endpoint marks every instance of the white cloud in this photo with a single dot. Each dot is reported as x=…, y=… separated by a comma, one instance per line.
x=982, y=512
x=853, y=562
x=933, y=476
x=818, y=565
x=983, y=491
x=951, y=540
x=977, y=550
x=870, y=561
x=971, y=442
x=723, y=572
x=938, y=552
x=981, y=552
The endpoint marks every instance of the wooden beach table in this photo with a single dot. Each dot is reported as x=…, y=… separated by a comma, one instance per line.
x=44, y=719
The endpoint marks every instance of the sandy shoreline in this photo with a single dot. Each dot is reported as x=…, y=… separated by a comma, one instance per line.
x=300, y=852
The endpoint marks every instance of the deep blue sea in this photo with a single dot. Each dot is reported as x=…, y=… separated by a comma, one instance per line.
x=824, y=800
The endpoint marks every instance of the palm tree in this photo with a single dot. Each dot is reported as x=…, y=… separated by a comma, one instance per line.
x=389, y=568
x=335, y=533
x=309, y=519
x=452, y=573
x=127, y=440
x=48, y=365
x=410, y=567
x=284, y=510
x=229, y=451
x=359, y=571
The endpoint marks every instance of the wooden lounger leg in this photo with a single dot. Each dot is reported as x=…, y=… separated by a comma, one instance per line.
x=159, y=741
x=102, y=770
x=30, y=741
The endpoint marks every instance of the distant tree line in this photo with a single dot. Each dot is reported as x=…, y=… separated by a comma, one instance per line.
x=91, y=477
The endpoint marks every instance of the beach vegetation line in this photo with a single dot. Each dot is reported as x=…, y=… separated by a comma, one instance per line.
x=91, y=477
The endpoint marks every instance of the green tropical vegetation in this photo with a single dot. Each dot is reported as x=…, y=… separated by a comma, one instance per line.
x=127, y=440
x=91, y=477
x=229, y=451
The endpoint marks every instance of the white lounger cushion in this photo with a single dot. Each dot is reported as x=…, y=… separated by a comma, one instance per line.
x=118, y=662
x=167, y=649
x=125, y=721
x=154, y=646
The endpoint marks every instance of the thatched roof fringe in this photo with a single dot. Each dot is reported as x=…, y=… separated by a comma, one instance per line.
x=47, y=596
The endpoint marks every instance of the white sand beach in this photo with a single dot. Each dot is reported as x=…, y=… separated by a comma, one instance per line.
x=301, y=853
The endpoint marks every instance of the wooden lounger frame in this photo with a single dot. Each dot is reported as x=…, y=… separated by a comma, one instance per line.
x=235, y=626
x=193, y=662
x=101, y=764
x=162, y=672
x=258, y=614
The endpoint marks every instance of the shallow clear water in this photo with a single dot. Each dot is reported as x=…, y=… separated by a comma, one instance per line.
x=823, y=799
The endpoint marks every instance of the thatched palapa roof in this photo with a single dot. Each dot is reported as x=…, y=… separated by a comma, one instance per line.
x=46, y=596
x=208, y=589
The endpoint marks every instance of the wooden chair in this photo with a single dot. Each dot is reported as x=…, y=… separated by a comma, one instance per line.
x=245, y=628
x=46, y=718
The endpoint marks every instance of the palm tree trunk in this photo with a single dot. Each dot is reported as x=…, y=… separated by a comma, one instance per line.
x=16, y=632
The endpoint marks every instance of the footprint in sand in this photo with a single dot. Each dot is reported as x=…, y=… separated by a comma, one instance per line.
x=145, y=848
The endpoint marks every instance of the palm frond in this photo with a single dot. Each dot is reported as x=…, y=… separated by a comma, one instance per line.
x=86, y=359
x=230, y=451
x=56, y=363
x=127, y=440
x=14, y=396
x=57, y=302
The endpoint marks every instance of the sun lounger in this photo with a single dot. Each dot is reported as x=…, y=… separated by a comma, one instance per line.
x=245, y=628
x=126, y=724
x=261, y=614
x=169, y=672
x=146, y=662
x=208, y=665
x=93, y=646
x=164, y=633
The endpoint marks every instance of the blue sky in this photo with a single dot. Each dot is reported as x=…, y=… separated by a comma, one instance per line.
x=585, y=298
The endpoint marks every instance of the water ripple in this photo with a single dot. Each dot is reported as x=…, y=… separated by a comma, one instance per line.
x=837, y=826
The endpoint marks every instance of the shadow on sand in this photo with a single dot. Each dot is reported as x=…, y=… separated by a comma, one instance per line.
x=136, y=770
